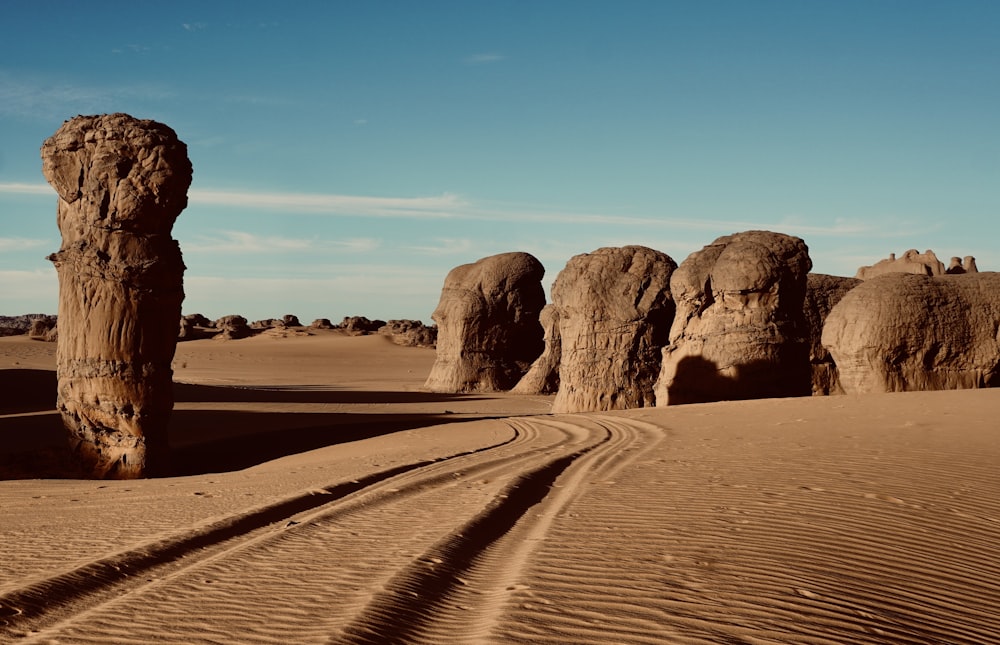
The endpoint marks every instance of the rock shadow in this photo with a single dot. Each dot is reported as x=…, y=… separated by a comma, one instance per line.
x=699, y=380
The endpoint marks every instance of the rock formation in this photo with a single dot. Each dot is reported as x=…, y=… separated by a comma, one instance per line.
x=543, y=377
x=322, y=323
x=232, y=327
x=905, y=332
x=614, y=312
x=195, y=327
x=926, y=263
x=822, y=293
x=740, y=331
x=409, y=333
x=121, y=184
x=291, y=320
x=19, y=325
x=488, y=329
x=359, y=325
x=44, y=329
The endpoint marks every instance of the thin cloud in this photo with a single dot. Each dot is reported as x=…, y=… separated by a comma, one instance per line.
x=445, y=246
x=26, y=189
x=245, y=242
x=443, y=206
x=484, y=59
x=8, y=244
x=194, y=26
x=49, y=99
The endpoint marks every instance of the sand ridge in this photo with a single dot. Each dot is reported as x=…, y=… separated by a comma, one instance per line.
x=861, y=519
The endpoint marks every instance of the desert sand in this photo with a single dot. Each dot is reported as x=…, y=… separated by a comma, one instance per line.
x=322, y=495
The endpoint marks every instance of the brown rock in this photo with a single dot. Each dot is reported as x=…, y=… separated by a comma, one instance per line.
x=321, y=323
x=822, y=293
x=410, y=333
x=614, y=312
x=925, y=263
x=740, y=331
x=232, y=327
x=121, y=183
x=904, y=332
x=44, y=328
x=543, y=377
x=488, y=329
x=359, y=325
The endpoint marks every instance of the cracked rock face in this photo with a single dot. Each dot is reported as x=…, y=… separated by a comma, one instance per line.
x=543, y=377
x=488, y=329
x=121, y=184
x=614, y=311
x=904, y=332
x=740, y=331
x=822, y=293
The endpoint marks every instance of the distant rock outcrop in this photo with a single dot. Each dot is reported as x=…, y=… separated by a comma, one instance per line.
x=488, y=329
x=19, y=325
x=359, y=325
x=543, y=377
x=121, y=184
x=410, y=333
x=232, y=327
x=740, y=331
x=905, y=332
x=290, y=320
x=614, y=311
x=44, y=329
x=926, y=263
x=822, y=293
x=321, y=323
x=195, y=327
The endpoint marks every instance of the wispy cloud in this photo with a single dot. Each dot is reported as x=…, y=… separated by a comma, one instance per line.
x=194, y=26
x=8, y=244
x=39, y=98
x=442, y=206
x=484, y=58
x=246, y=242
x=27, y=189
x=446, y=246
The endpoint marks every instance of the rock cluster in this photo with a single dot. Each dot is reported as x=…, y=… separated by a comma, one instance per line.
x=926, y=263
x=488, y=329
x=739, y=331
x=359, y=325
x=822, y=293
x=902, y=332
x=543, y=376
x=19, y=325
x=409, y=333
x=614, y=310
x=121, y=184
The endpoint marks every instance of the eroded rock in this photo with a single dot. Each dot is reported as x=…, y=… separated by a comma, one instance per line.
x=822, y=293
x=543, y=376
x=614, y=310
x=907, y=332
x=488, y=329
x=121, y=183
x=740, y=331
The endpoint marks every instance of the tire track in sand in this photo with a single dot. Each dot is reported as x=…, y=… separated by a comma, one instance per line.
x=457, y=590
x=58, y=598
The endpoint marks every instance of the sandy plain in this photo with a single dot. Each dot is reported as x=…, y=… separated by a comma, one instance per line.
x=322, y=496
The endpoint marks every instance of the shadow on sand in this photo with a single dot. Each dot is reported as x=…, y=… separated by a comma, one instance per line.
x=33, y=443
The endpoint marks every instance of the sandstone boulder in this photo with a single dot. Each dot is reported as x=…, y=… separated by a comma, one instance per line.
x=488, y=329
x=409, y=333
x=322, y=323
x=290, y=320
x=905, y=332
x=232, y=327
x=740, y=331
x=614, y=311
x=195, y=327
x=44, y=328
x=359, y=325
x=121, y=184
x=926, y=263
x=543, y=377
x=822, y=293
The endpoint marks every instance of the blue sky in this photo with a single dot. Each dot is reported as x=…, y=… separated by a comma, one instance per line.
x=347, y=154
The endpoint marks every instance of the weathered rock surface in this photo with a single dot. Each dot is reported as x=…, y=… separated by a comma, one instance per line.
x=543, y=377
x=822, y=293
x=614, y=311
x=926, y=263
x=291, y=320
x=740, y=331
x=121, y=183
x=409, y=333
x=322, y=323
x=19, y=325
x=905, y=332
x=195, y=327
x=359, y=325
x=44, y=329
x=232, y=327
x=488, y=329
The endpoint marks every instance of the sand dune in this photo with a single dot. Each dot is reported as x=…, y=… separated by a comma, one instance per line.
x=348, y=506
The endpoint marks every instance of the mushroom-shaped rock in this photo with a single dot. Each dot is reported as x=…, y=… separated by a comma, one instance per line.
x=543, y=376
x=926, y=263
x=822, y=293
x=232, y=327
x=740, y=331
x=121, y=184
x=904, y=332
x=488, y=329
x=614, y=312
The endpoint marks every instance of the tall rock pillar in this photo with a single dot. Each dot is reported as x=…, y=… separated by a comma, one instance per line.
x=121, y=183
